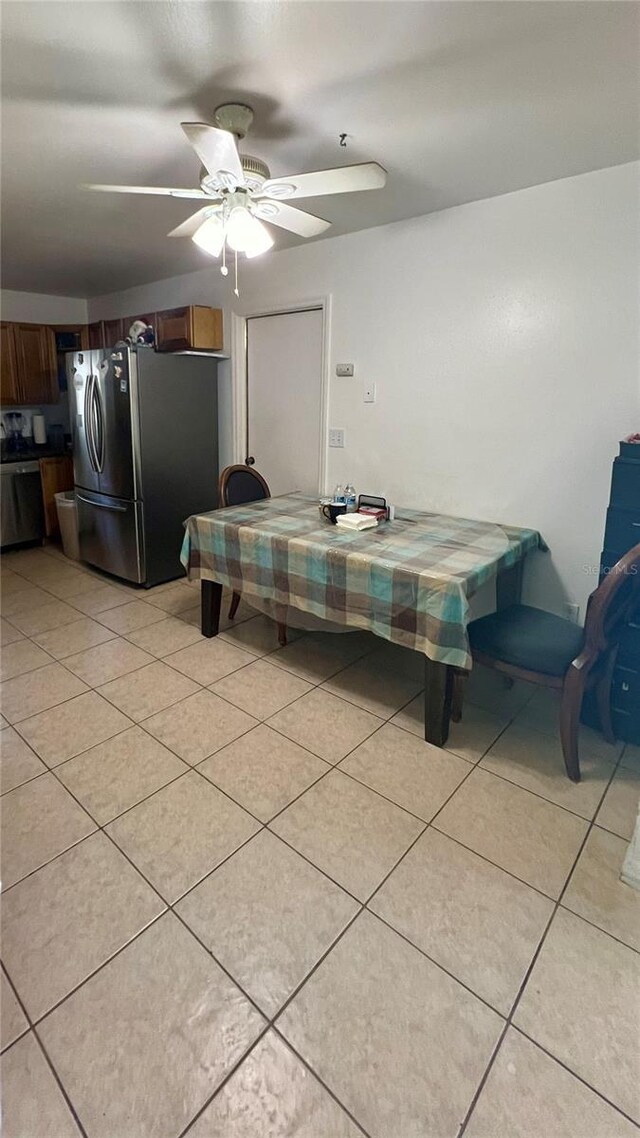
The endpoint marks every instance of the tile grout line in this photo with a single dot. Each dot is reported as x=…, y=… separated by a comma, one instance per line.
x=557, y=903
x=30, y=1030
x=16, y=996
x=575, y=1074
x=529, y=971
x=335, y=766
x=170, y=907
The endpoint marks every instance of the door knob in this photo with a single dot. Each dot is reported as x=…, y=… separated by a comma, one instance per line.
x=250, y=461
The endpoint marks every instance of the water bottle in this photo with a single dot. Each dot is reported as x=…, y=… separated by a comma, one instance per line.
x=339, y=494
x=350, y=497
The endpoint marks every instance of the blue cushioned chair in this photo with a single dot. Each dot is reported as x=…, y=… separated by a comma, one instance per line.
x=237, y=485
x=530, y=644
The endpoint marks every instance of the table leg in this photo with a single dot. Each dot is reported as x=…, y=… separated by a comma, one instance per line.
x=210, y=601
x=509, y=586
x=438, y=689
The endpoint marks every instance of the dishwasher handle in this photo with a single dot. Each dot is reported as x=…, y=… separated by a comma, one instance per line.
x=12, y=468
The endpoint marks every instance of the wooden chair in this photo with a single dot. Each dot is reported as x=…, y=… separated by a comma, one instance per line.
x=237, y=485
x=529, y=644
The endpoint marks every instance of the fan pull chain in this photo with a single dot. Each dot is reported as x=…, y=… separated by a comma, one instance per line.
x=236, y=260
x=223, y=268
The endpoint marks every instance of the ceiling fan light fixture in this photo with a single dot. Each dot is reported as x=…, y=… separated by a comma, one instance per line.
x=210, y=236
x=245, y=234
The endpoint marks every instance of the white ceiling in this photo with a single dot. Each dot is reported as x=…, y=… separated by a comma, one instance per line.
x=457, y=100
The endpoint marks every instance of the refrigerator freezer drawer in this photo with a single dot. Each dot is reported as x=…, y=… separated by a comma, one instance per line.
x=110, y=532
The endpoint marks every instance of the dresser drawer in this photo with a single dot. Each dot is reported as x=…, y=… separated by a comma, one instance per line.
x=625, y=707
x=622, y=529
x=625, y=484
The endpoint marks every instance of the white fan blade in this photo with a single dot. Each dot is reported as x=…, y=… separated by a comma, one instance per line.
x=165, y=191
x=189, y=227
x=288, y=217
x=216, y=149
x=343, y=180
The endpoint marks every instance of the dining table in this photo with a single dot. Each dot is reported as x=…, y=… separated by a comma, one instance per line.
x=408, y=580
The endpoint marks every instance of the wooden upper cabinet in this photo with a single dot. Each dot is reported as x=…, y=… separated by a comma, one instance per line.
x=9, y=386
x=114, y=331
x=37, y=363
x=95, y=334
x=196, y=327
x=145, y=317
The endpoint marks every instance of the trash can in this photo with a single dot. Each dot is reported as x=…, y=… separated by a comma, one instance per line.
x=68, y=521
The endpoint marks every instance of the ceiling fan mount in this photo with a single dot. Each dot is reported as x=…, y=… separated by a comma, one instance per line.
x=234, y=117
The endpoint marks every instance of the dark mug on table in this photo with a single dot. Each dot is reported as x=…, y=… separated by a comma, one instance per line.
x=332, y=510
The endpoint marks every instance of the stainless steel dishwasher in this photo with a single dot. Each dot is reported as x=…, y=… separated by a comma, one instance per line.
x=21, y=510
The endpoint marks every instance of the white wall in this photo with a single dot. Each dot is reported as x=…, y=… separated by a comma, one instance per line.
x=503, y=340
x=41, y=308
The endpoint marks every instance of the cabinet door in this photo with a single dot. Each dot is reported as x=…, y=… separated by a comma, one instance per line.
x=173, y=330
x=96, y=334
x=37, y=363
x=196, y=327
x=56, y=474
x=146, y=317
x=113, y=332
x=9, y=386
x=206, y=328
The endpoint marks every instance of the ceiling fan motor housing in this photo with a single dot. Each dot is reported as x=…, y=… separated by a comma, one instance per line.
x=255, y=172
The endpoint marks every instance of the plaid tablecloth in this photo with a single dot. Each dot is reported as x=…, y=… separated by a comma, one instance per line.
x=408, y=581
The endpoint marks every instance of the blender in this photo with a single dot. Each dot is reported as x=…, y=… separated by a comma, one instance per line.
x=14, y=422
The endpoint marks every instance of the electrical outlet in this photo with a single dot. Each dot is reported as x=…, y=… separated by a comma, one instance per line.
x=572, y=612
x=344, y=370
x=336, y=437
x=369, y=393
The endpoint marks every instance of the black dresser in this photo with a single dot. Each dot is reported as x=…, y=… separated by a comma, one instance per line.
x=622, y=531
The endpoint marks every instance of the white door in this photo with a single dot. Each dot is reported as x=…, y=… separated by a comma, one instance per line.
x=284, y=399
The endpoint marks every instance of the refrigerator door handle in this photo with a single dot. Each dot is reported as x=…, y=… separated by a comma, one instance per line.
x=89, y=423
x=87, y=420
x=98, y=420
x=101, y=505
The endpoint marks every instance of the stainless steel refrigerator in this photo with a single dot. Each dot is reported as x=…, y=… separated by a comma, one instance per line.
x=145, y=455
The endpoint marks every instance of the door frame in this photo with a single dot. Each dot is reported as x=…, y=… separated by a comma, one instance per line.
x=239, y=374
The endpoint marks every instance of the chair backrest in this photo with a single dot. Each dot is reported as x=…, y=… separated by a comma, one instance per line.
x=239, y=484
x=612, y=603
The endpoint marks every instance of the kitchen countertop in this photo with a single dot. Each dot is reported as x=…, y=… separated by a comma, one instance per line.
x=32, y=453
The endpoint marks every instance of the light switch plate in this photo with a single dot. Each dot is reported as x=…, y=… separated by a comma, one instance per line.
x=336, y=437
x=344, y=370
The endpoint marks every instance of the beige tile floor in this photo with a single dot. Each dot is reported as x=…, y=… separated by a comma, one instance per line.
x=243, y=898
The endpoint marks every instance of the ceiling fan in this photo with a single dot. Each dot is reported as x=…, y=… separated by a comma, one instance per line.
x=241, y=195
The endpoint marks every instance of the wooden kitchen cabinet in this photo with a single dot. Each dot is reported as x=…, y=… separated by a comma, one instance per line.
x=56, y=474
x=95, y=334
x=146, y=317
x=196, y=328
x=113, y=332
x=37, y=363
x=9, y=389
x=29, y=365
